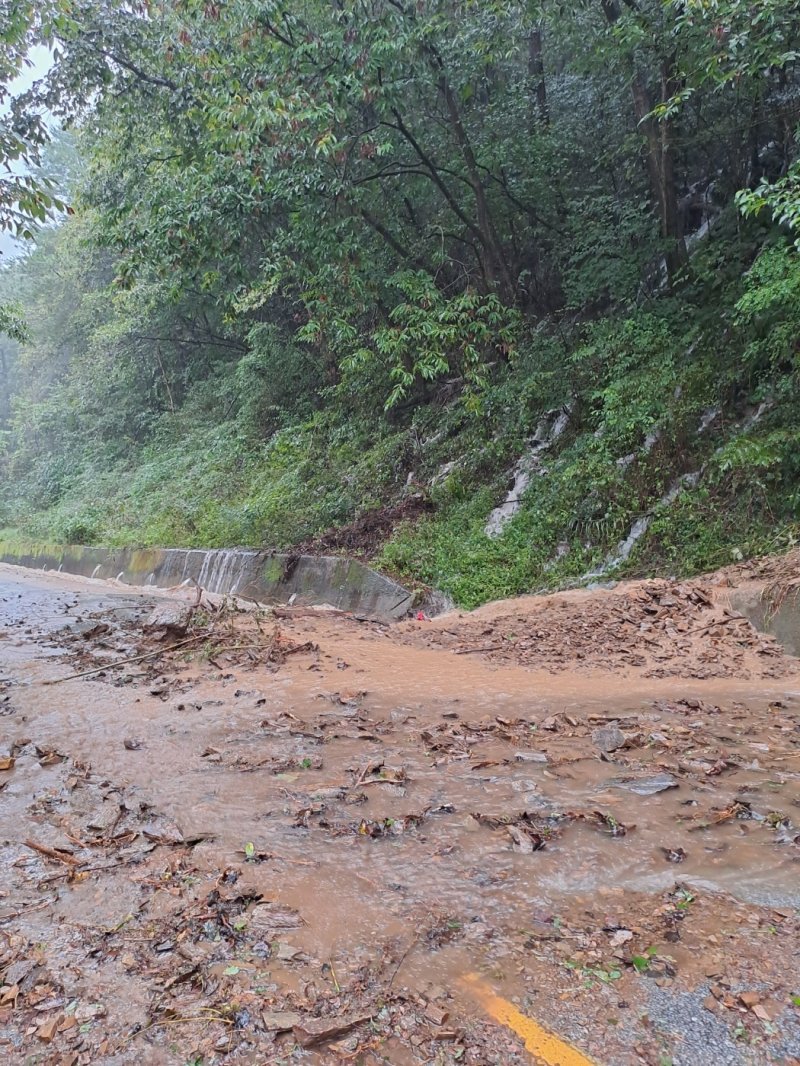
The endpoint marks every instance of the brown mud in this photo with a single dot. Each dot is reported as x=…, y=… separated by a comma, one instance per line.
x=292, y=836
x=366, y=535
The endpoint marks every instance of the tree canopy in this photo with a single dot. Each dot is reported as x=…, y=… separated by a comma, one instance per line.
x=384, y=208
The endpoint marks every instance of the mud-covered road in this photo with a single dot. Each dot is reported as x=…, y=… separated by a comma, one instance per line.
x=559, y=831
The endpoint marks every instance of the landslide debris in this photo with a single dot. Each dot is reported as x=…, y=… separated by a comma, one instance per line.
x=663, y=628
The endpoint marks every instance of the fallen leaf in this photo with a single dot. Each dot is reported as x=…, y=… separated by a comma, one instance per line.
x=47, y=1030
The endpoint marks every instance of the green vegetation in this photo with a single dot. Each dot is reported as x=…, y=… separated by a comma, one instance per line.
x=324, y=258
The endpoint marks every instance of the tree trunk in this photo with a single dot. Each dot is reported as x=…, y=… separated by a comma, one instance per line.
x=488, y=231
x=660, y=152
x=540, y=111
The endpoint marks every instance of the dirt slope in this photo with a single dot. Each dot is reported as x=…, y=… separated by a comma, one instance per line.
x=659, y=628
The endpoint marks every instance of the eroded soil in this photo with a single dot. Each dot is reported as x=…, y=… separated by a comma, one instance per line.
x=291, y=836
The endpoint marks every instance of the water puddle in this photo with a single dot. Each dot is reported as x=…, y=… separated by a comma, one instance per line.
x=421, y=816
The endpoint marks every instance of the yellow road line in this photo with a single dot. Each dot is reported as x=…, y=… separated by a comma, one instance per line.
x=546, y=1046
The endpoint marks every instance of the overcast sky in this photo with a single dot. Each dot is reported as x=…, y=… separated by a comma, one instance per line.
x=40, y=63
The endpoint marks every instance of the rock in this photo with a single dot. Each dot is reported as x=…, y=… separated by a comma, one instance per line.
x=18, y=971
x=280, y=1021
x=673, y=854
x=435, y=1014
x=87, y=630
x=608, y=737
x=286, y=952
x=265, y=919
x=318, y=1030
x=104, y=819
x=530, y=756
x=87, y=1012
x=645, y=786
x=620, y=937
x=173, y=618
x=750, y=999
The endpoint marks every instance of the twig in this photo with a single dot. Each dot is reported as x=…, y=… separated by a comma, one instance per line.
x=27, y=909
x=402, y=959
x=122, y=662
x=360, y=779
x=51, y=853
x=718, y=622
x=180, y=1021
x=243, y=647
x=85, y=870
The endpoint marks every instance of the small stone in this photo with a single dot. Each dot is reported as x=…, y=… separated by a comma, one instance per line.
x=749, y=999
x=281, y=1021
x=86, y=1012
x=646, y=786
x=173, y=618
x=608, y=737
x=620, y=937
x=435, y=1014
x=285, y=952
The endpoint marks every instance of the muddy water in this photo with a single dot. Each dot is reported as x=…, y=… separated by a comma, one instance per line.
x=273, y=769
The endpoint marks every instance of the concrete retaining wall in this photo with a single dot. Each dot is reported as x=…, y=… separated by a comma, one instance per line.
x=783, y=624
x=252, y=574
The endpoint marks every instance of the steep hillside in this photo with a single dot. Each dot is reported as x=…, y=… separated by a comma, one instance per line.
x=504, y=302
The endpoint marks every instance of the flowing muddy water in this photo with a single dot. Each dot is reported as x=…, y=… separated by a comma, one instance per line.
x=386, y=834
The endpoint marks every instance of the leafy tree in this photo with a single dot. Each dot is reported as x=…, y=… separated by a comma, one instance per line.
x=391, y=238
x=25, y=199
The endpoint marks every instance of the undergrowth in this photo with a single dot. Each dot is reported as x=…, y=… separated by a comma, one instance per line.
x=654, y=395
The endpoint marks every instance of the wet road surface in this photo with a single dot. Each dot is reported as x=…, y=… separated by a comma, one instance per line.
x=211, y=858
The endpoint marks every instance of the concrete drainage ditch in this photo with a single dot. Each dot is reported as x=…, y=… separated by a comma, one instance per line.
x=252, y=574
